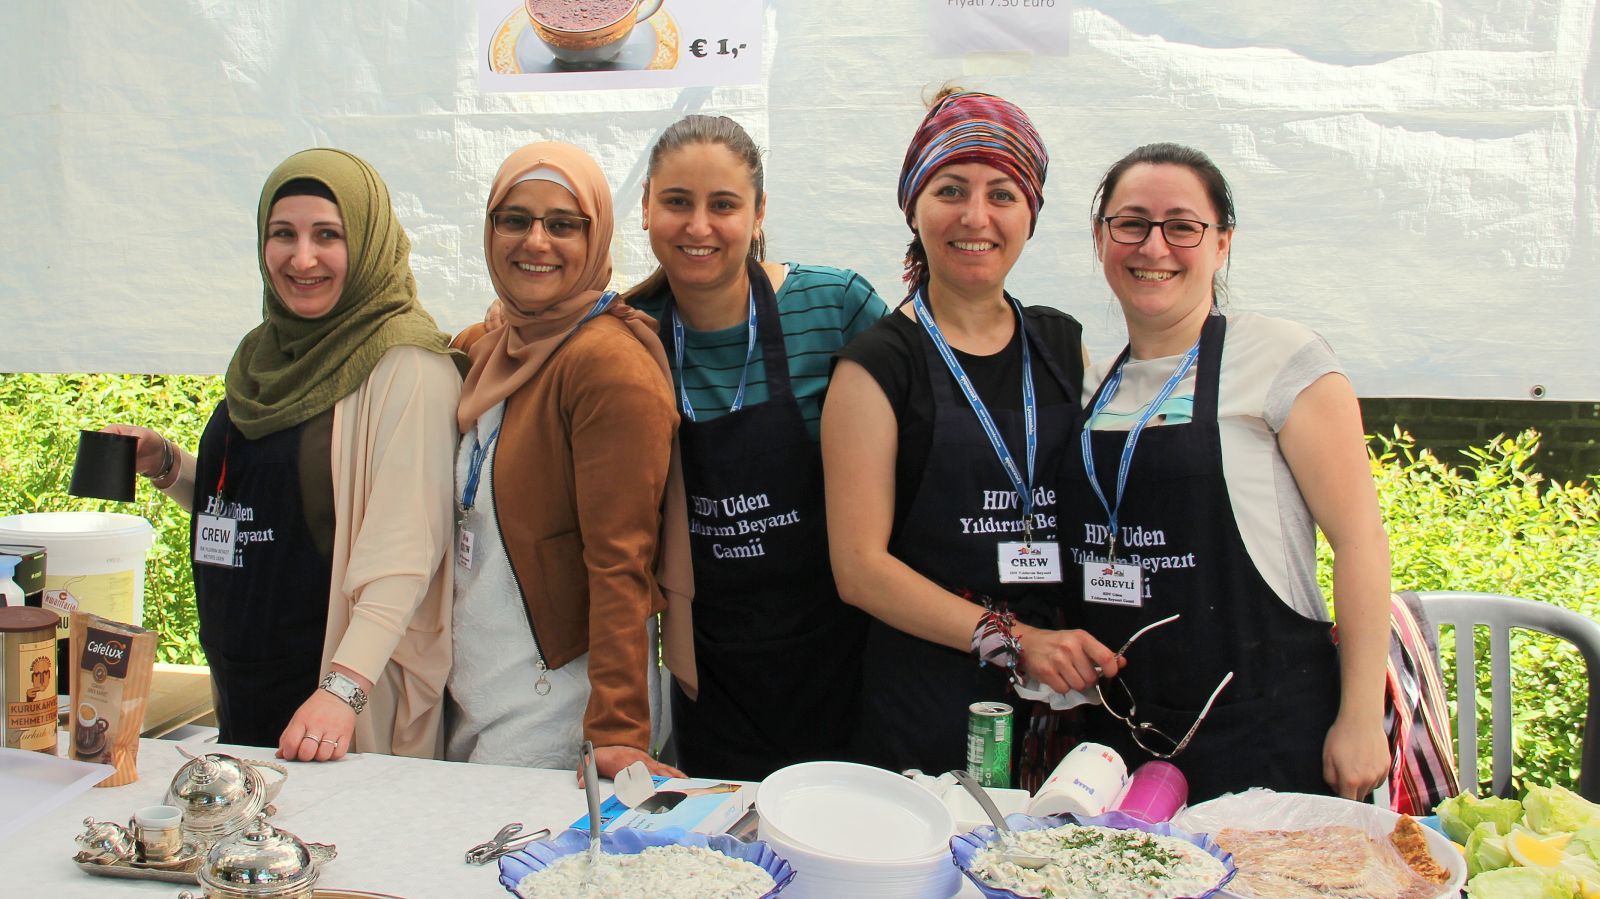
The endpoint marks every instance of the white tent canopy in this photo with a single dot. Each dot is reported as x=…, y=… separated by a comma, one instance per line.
x=1416, y=180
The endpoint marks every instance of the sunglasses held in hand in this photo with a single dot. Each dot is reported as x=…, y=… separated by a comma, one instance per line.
x=1149, y=737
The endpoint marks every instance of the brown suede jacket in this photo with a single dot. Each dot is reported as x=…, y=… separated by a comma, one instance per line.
x=579, y=472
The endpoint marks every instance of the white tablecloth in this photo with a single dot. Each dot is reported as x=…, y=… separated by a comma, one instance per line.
x=401, y=825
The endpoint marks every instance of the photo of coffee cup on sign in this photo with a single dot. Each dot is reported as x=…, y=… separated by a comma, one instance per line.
x=90, y=738
x=543, y=36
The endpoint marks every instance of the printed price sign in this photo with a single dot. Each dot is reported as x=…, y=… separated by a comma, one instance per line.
x=702, y=47
x=539, y=45
x=960, y=27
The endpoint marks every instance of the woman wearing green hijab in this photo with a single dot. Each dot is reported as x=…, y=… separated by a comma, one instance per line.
x=321, y=490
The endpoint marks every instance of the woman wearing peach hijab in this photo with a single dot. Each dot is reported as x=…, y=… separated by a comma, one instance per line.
x=557, y=551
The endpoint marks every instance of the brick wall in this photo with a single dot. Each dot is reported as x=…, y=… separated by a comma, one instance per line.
x=1569, y=445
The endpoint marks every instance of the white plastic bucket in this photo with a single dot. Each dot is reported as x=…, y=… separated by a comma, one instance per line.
x=94, y=561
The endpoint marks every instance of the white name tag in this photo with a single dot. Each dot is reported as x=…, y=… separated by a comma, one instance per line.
x=1030, y=563
x=464, y=543
x=214, y=540
x=1113, y=583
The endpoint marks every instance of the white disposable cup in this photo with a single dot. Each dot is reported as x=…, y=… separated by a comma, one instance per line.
x=1087, y=782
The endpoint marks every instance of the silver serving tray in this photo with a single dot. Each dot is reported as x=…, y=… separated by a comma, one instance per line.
x=184, y=869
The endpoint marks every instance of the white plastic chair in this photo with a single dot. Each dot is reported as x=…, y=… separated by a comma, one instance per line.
x=1501, y=613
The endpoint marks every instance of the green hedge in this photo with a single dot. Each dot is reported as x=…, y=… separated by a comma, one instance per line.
x=1492, y=524
x=42, y=415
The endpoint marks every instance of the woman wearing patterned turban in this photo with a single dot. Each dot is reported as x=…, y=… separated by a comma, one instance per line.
x=941, y=436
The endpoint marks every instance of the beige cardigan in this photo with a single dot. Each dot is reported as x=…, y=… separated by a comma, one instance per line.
x=394, y=444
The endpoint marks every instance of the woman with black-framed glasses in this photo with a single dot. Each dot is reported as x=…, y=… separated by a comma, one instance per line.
x=565, y=490
x=1215, y=446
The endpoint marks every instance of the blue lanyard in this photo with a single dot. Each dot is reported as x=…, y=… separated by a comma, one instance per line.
x=1030, y=408
x=1113, y=381
x=480, y=450
x=744, y=373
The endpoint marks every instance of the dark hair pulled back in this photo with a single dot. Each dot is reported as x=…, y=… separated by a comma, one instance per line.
x=692, y=130
x=1211, y=178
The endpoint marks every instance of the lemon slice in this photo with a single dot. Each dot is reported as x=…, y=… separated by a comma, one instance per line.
x=1531, y=851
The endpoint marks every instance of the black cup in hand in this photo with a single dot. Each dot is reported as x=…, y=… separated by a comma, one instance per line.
x=104, y=467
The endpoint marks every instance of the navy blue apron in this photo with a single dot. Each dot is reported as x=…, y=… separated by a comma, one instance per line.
x=778, y=653
x=1268, y=725
x=916, y=693
x=262, y=622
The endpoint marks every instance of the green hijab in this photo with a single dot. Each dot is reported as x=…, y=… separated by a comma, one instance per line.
x=290, y=369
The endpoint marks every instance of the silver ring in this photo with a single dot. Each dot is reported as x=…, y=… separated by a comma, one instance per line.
x=310, y=737
x=334, y=741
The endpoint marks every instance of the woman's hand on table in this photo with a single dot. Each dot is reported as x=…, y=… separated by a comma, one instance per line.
x=323, y=727
x=1065, y=660
x=1355, y=757
x=608, y=760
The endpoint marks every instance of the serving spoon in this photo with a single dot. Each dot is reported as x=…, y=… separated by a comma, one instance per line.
x=591, y=791
x=1008, y=838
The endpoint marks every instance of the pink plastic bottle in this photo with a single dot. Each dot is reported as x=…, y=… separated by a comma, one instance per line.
x=1155, y=792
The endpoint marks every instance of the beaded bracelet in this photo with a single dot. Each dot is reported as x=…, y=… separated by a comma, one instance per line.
x=994, y=642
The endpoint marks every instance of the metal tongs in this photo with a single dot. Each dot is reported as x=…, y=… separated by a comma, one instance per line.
x=504, y=841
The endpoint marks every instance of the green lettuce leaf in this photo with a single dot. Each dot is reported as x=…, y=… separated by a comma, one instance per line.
x=1486, y=850
x=1460, y=815
x=1558, y=810
x=1523, y=883
x=1589, y=839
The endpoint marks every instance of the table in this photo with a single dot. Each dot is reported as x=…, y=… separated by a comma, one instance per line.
x=401, y=825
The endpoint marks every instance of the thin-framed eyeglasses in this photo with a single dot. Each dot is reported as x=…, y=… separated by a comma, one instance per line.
x=1149, y=737
x=557, y=225
x=1134, y=229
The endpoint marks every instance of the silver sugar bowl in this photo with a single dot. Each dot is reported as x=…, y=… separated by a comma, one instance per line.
x=104, y=842
x=219, y=794
x=260, y=862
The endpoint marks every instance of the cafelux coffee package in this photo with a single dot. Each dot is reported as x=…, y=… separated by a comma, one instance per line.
x=111, y=667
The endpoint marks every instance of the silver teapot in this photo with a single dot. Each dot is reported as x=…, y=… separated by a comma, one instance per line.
x=260, y=862
x=219, y=794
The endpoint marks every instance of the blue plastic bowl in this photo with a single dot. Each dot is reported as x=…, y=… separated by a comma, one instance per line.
x=965, y=846
x=514, y=866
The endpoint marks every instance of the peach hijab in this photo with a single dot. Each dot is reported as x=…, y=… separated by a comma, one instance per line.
x=511, y=355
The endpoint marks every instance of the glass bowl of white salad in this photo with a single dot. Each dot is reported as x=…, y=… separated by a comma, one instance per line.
x=641, y=863
x=1110, y=856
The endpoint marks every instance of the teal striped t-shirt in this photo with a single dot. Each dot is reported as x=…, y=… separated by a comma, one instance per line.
x=820, y=308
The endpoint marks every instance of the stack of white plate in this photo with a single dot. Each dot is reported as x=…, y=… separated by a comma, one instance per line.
x=857, y=831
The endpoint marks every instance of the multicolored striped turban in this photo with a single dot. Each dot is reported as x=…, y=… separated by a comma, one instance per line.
x=968, y=126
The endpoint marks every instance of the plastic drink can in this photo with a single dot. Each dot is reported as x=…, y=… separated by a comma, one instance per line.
x=989, y=732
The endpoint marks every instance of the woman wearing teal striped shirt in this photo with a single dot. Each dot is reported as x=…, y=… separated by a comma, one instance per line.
x=775, y=672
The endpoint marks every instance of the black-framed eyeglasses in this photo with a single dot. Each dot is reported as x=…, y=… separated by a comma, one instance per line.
x=1149, y=737
x=558, y=225
x=1136, y=229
